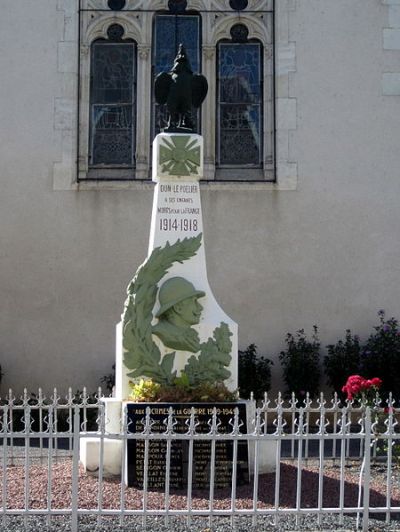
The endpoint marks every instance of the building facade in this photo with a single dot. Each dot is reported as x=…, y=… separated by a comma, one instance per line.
x=301, y=187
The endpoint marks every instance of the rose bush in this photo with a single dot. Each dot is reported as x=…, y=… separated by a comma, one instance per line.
x=359, y=388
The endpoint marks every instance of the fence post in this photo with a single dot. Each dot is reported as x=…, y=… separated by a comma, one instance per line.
x=75, y=471
x=367, y=468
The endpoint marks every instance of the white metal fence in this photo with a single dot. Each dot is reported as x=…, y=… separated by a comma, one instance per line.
x=329, y=459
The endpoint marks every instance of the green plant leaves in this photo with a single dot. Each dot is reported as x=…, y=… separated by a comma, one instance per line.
x=300, y=362
x=254, y=373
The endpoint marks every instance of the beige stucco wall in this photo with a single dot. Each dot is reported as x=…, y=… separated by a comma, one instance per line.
x=326, y=253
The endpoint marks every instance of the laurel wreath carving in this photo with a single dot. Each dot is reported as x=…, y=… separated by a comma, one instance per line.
x=215, y=355
x=141, y=355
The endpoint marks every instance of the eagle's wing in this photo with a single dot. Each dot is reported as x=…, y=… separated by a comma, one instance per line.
x=162, y=84
x=199, y=89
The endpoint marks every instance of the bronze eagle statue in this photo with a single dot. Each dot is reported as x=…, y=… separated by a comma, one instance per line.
x=181, y=90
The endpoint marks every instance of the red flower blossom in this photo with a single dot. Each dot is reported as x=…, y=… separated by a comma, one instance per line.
x=376, y=381
x=356, y=384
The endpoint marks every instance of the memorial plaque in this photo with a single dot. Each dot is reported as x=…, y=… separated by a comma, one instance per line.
x=202, y=449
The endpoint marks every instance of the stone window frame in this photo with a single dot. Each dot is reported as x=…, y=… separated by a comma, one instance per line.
x=258, y=32
x=138, y=26
x=94, y=28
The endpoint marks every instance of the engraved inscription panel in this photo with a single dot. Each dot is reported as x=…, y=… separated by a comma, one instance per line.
x=203, y=450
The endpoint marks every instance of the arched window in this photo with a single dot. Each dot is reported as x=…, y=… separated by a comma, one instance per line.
x=169, y=32
x=124, y=44
x=239, y=101
x=112, y=101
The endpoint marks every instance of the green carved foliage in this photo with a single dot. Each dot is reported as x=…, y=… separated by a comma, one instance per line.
x=141, y=354
x=214, y=358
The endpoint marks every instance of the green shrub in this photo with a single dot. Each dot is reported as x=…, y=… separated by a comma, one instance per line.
x=254, y=373
x=109, y=380
x=300, y=363
x=342, y=360
x=380, y=356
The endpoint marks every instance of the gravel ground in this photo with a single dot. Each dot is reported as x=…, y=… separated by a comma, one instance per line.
x=88, y=493
x=16, y=524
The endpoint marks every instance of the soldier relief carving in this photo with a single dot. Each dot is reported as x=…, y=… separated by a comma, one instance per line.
x=179, y=311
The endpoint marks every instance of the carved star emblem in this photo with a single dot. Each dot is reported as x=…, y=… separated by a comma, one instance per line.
x=180, y=155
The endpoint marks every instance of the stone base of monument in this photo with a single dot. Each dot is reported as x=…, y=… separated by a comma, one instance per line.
x=90, y=449
x=133, y=475
x=266, y=449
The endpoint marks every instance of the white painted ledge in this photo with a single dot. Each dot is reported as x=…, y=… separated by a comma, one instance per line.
x=288, y=182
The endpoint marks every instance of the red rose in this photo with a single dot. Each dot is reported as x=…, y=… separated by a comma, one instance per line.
x=348, y=392
x=376, y=381
x=356, y=384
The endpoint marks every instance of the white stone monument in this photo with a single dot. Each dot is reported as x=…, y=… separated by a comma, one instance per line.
x=176, y=216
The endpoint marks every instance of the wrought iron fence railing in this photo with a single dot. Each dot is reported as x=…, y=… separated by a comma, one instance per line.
x=328, y=459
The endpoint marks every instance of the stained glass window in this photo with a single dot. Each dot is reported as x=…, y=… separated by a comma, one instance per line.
x=177, y=6
x=239, y=104
x=112, y=105
x=116, y=5
x=170, y=31
x=238, y=5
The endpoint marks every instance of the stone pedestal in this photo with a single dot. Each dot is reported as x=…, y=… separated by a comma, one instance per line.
x=89, y=456
x=90, y=447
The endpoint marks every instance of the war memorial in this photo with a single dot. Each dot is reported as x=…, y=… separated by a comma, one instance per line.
x=172, y=328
